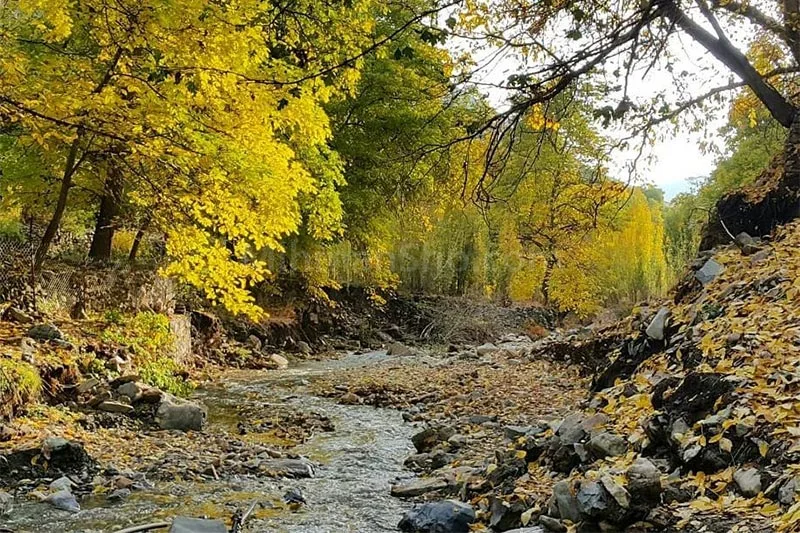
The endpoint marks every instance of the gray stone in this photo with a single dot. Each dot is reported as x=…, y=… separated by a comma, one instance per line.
x=616, y=491
x=87, y=385
x=132, y=390
x=290, y=468
x=448, y=516
x=593, y=499
x=119, y=495
x=399, y=349
x=486, y=349
x=6, y=503
x=429, y=438
x=418, y=487
x=303, y=347
x=180, y=414
x=254, y=343
x=644, y=480
x=197, y=525
x=28, y=347
x=63, y=500
x=566, y=502
x=62, y=483
x=279, y=361
x=786, y=494
x=571, y=429
x=45, y=332
x=711, y=269
x=748, y=481
x=606, y=444
x=52, y=445
x=549, y=523
x=515, y=432
x=115, y=407
x=678, y=430
x=744, y=238
x=656, y=328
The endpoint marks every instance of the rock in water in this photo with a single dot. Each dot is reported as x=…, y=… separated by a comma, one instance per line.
x=196, y=525
x=292, y=468
x=418, y=487
x=180, y=414
x=63, y=500
x=279, y=362
x=446, y=516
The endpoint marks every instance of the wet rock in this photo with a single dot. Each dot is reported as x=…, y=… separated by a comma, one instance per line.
x=656, y=328
x=115, y=407
x=399, y=349
x=6, y=503
x=446, y=516
x=429, y=438
x=486, y=349
x=418, y=487
x=180, y=414
x=63, y=500
x=45, y=332
x=748, y=481
x=566, y=501
x=291, y=468
x=644, y=480
x=16, y=315
x=197, y=525
x=710, y=270
x=607, y=445
x=786, y=494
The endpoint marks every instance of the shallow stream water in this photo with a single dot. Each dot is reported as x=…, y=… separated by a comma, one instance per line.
x=354, y=467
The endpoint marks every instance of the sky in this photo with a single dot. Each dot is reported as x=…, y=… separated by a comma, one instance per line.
x=675, y=158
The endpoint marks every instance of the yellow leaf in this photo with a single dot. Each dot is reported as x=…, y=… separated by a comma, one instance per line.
x=725, y=445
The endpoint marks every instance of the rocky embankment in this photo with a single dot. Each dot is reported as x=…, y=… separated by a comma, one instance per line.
x=690, y=423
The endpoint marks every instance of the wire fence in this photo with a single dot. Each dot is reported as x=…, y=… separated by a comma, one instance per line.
x=74, y=286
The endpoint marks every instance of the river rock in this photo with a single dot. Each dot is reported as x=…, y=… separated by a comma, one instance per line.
x=180, y=414
x=63, y=500
x=304, y=348
x=605, y=444
x=62, y=483
x=656, y=328
x=486, y=349
x=418, y=487
x=748, y=480
x=429, y=461
x=291, y=468
x=45, y=332
x=197, y=525
x=448, y=516
x=278, y=362
x=132, y=390
x=6, y=503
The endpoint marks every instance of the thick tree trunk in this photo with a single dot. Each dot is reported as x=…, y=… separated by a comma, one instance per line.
x=70, y=167
x=100, y=250
x=548, y=275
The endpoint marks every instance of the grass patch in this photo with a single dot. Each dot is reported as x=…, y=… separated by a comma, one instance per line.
x=20, y=385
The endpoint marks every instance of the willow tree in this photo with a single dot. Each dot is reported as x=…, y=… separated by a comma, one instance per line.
x=206, y=117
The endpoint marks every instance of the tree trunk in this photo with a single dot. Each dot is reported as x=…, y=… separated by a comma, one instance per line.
x=548, y=274
x=70, y=167
x=137, y=240
x=100, y=250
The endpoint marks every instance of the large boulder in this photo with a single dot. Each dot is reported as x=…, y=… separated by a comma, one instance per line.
x=446, y=516
x=183, y=415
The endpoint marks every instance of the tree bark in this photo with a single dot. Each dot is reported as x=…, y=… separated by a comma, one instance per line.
x=548, y=275
x=70, y=167
x=100, y=249
x=137, y=240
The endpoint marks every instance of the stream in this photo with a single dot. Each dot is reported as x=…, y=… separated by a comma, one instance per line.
x=354, y=466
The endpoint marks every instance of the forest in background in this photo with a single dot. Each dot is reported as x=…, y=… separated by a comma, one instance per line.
x=317, y=163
